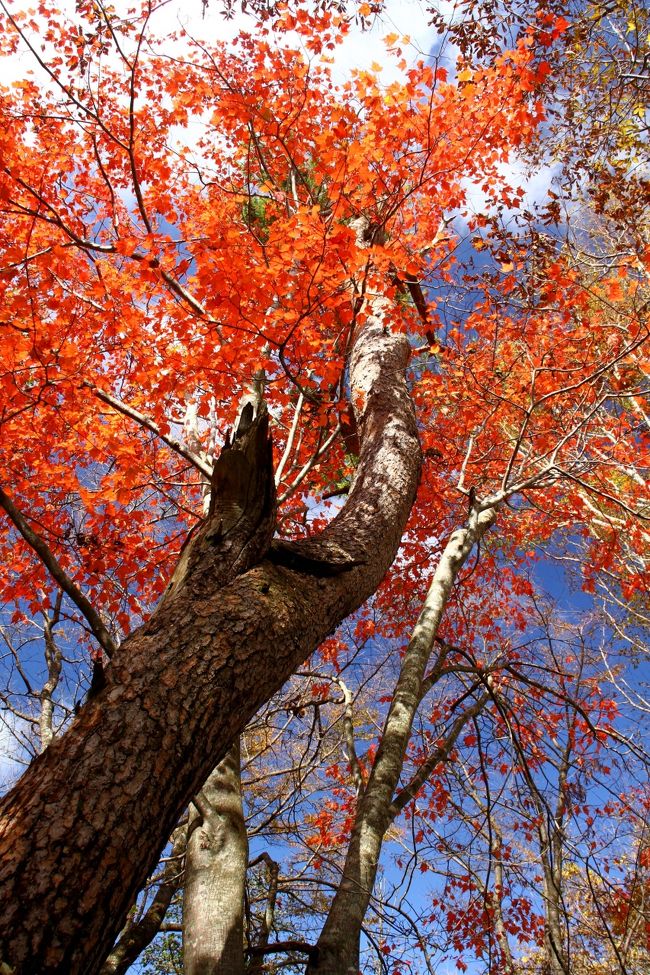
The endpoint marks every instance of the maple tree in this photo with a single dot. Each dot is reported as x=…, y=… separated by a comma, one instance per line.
x=256, y=271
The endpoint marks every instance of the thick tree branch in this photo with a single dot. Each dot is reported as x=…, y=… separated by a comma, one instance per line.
x=284, y=946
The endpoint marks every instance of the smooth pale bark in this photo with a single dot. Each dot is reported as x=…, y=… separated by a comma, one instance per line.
x=215, y=874
x=339, y=941
x=554, y=936
x=552, y=857
x=53, y=661
x=496, y=902
x=85, y=825
x=495, y=898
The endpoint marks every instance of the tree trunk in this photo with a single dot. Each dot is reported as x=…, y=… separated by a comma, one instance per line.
x=497, y=898
x=215, y=875
x=339, y=941
x=137, y=935
x=554, y=937
x=552, y=840
x=84, y=827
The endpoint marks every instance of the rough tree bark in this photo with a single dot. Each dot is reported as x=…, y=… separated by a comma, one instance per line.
x=83, y=828
x=215, y=874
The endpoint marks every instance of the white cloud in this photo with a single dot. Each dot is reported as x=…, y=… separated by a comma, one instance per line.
x=514, y=174
x=359, y=50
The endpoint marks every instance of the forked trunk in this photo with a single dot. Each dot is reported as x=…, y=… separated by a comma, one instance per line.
x=83, y=828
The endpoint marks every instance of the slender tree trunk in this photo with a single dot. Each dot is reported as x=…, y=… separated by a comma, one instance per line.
x=84, y=827
x=552, y=841
x=53, y=661
x=139, y=933
x=496, y=854
x=554, y=938
x=256, y=952
x=550, y=832
x=215, y=874
x=339, y=941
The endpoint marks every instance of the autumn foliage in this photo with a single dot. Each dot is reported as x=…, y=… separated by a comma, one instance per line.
x=181, y=221
x=163, y=275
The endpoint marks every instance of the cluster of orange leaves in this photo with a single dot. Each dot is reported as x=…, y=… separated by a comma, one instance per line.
x=171, y=224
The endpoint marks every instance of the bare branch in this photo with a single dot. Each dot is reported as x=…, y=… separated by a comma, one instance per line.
x=48, y=559
x=148, y=424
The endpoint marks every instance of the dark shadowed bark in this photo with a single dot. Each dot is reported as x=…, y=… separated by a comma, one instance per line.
x=83, y=828
x=215, y=874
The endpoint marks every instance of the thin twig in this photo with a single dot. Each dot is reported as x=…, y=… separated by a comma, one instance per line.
x=148, y=424
x=50, y=562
